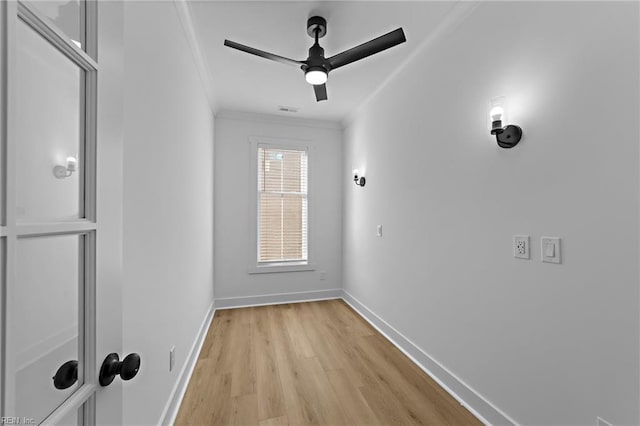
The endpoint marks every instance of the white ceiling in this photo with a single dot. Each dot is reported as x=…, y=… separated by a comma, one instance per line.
x=244, y=82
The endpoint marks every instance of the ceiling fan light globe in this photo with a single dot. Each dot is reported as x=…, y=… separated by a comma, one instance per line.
x=316, y=77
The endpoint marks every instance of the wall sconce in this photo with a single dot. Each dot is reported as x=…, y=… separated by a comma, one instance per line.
x=358, y=179
x=62, y=172
x=507, y=136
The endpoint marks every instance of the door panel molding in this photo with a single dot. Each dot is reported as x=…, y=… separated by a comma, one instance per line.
x=54, y=228
x=74, y=402
x=43, y=26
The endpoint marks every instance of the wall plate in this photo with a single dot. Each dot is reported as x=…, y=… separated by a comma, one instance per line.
x=521, y=246
x=550, y=249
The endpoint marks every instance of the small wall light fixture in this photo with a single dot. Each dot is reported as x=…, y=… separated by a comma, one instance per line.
x=67, y=170
x=509, y=135
x=358, y=178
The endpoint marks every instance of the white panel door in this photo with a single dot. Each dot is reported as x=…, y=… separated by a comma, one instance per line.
x=60, y=270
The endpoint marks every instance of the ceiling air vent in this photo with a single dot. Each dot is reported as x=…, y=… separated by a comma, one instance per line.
x=287, y=108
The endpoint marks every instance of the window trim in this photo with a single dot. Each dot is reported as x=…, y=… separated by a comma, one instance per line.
x=254, y=266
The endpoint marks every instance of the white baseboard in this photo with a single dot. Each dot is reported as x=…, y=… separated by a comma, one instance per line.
x=170, y=411
x=463, y=393
x=277, y=299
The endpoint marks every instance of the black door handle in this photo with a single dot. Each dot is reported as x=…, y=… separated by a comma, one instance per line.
x=66, y=375
x=112, y=366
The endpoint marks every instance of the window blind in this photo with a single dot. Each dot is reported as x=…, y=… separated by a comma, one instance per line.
x=282, y=205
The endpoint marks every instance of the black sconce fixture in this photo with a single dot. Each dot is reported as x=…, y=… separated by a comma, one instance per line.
x=359, y=180
x=507, y=136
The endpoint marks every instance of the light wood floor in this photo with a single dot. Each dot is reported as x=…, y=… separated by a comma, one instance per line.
x=313, y=363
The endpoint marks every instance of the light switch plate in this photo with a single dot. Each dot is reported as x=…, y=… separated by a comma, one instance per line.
x=379, y=231
x=521, y=246
x=550, y=249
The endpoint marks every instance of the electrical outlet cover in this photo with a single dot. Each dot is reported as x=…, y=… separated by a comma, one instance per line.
x=521, y=246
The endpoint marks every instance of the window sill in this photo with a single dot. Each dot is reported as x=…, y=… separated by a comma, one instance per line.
x=270, y=269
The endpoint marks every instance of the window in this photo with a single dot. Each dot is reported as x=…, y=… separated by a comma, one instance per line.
x=282, y=206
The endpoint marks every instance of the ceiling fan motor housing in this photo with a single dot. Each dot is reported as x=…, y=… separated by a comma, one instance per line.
x=316, y=60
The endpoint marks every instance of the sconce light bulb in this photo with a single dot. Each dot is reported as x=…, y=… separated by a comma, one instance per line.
x=72, y=164
x=496, y=113
x=357, y=178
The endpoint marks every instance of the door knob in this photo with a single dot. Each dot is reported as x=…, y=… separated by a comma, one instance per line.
x=66, y=375
x=112, y=366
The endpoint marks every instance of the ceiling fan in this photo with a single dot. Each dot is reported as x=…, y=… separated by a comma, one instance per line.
x=316, y=67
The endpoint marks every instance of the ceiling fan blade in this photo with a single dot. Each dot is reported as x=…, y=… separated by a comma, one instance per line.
x=262, y=53
x=321, y=92
x=367, y=49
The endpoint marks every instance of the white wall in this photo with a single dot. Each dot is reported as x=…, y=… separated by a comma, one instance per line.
x=168, y=204
x=233, y=227
x=547, y=344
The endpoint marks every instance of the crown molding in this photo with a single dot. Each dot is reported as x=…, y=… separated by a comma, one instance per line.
x=276, y=119
x=184, y=14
